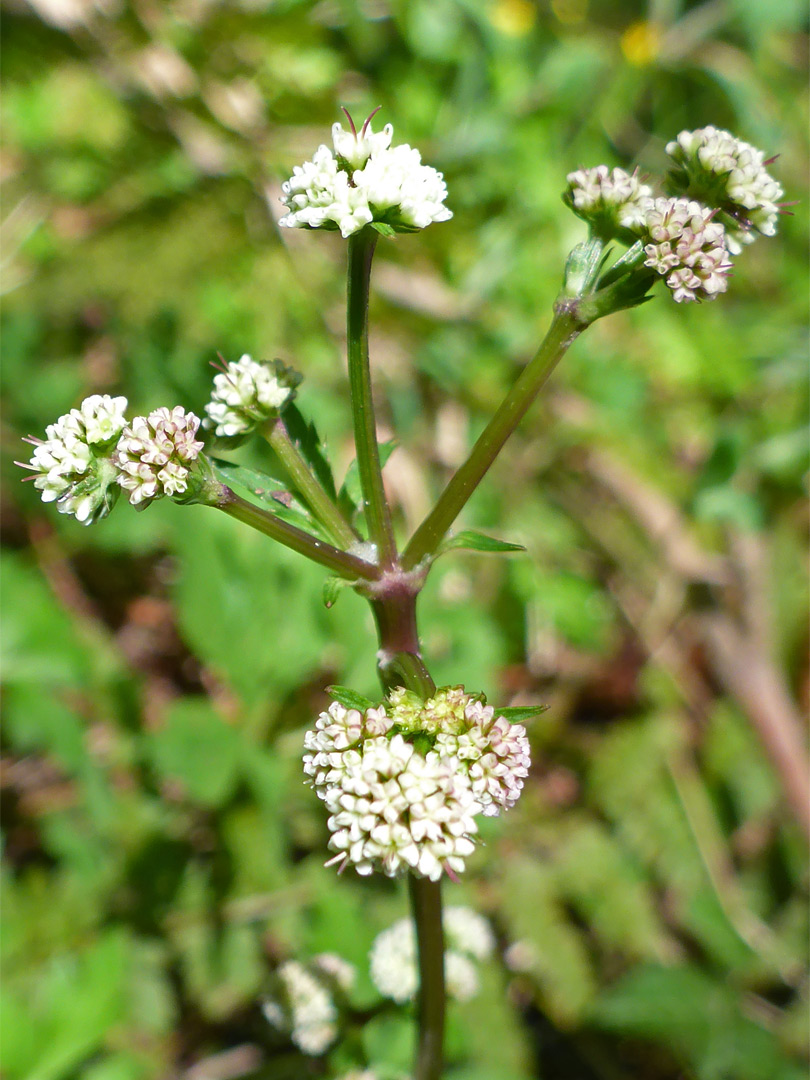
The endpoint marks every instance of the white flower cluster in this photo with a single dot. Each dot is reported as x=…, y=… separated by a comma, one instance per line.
x=686, y=247
x=245, y=394
x=305, y=1009
x=393, y=956
x=395, y=809
x=73, y=464
x=611, y=200
x=393, y=806
x=727, y=174
x=154, y=454
x=365, y=180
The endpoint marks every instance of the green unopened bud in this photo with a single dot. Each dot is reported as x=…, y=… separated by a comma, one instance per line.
x=581, y=267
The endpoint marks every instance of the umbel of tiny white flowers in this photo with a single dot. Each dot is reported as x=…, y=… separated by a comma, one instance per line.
x=716, y=168
x=404, y=782
x=392, y=959
x=156, y=455
x=246, y=394
x=74, y=465
x=365, y=181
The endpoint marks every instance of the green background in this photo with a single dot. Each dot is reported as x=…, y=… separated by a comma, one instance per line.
x=161, y=851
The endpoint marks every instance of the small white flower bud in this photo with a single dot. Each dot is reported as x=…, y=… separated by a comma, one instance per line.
x=610, y=200
x=247, y=393
x=355, y=149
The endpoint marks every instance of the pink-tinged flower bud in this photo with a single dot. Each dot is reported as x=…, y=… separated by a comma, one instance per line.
x=155, y=456
x=686, y=246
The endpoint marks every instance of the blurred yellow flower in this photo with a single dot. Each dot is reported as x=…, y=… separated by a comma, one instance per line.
x=513, y=17
x=641, y=42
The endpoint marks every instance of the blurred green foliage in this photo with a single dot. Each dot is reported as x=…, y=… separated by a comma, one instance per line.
x=161, y=852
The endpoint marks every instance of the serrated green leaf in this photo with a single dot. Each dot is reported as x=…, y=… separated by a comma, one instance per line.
x=519, y=714
x=476, y=541
x=305, y=436
x=273, y=493
x=351, y=496
x=350, y=698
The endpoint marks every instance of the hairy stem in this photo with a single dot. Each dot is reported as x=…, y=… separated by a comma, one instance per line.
x=306, y=483
x=565, y=328
x=339, y=562
x=378, y=514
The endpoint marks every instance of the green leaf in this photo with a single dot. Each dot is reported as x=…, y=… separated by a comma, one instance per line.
x=518, y=714
x=383, y=229
x=701, y=1019
x=197, y=748
x=305, y=436
x=350, y=698
x=273, y=493
x=332, y=588
x=475, y=541
x=351, y=496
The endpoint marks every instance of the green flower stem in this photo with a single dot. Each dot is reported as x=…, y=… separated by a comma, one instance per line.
x=426, y=905
x=378, y=514
x=339, y=562
x=307, y=484
x=394, y=606
x=564, y=330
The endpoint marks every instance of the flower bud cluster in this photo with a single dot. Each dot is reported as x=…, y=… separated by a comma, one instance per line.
x=91, y=453
x=612, y=200
x=722, y=197
x=392, y=958
x=365, y=180
x=686, y=247
x=155, y=454
x=715, y=167
x=304, y=1008
x=73, y=464
x=247, y=393
x=404, y=781
x=494, y=753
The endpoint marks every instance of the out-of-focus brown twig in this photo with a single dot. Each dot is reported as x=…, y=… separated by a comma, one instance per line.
x=739, y=648
x=229, y=1065
x=750, y=677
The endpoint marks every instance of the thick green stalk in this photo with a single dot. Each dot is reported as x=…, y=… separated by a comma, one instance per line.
x=426, y=905
x=378, y=515
x=565, y=328
x=401, y=664
x=307, y=484
x=339, y=562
